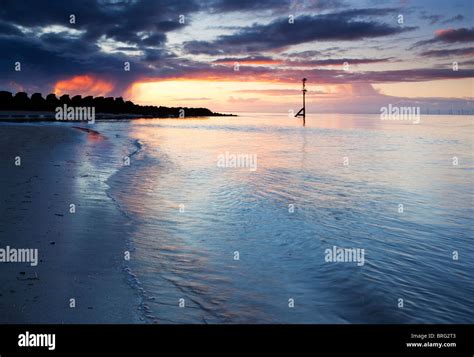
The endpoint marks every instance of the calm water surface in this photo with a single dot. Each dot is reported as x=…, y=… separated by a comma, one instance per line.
x=186, y=218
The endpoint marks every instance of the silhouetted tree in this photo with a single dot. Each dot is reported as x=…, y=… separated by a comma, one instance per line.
x=99, y=104
x=21, y=101
x=38, y=102
x=88, y=101
x=52, y=102
x=102, y=105
x=109, y=105
x=64, y=99
x=119, y=105
x=6, y=100
x=76, y=101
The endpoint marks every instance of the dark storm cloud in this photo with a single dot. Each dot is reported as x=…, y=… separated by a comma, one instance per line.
x=47, y=55
x=140, y=24
x=280, y=33
x=158, y=55
x=120, y=20
x=43, y=64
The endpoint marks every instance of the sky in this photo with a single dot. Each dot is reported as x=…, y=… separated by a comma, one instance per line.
x=244, y=55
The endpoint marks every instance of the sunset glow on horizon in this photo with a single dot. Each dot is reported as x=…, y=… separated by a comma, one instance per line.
x=228, y=96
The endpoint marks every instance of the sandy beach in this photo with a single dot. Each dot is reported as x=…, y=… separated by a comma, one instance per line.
x=80, y=255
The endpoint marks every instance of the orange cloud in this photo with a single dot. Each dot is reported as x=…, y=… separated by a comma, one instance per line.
x=83, y=85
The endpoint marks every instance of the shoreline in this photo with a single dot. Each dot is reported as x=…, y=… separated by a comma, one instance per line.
x=80, y=255
x=47, y=116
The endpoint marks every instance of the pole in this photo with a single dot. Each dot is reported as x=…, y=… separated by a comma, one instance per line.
x=302, y=112
x=304, y=101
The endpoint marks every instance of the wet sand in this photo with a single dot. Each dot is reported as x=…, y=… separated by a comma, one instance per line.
x=80, y=254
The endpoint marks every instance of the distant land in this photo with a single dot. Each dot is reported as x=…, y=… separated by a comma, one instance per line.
x=20, y=107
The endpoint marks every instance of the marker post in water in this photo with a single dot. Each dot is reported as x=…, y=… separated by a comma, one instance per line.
x=302, y=112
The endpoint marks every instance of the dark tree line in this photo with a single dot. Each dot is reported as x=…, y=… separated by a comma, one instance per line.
x=21, y=102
